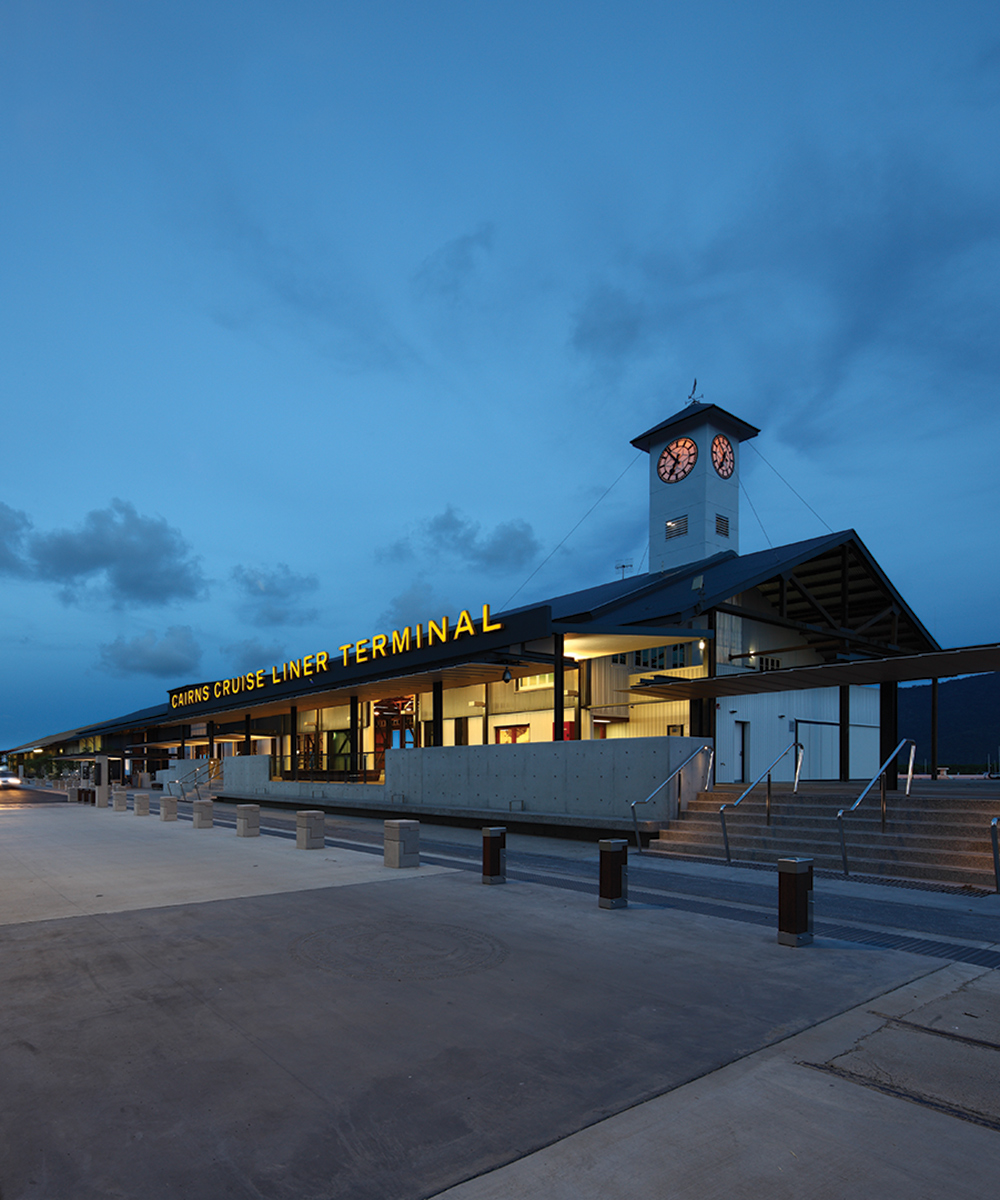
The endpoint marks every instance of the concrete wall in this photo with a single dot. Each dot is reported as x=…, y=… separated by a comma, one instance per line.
x=577, y=782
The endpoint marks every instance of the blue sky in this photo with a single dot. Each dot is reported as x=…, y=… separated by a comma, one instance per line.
x=317, y=316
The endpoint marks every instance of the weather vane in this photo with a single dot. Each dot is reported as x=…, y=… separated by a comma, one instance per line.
x=694, y=388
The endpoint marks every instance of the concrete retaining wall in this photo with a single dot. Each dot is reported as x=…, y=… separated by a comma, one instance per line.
x=570, y=782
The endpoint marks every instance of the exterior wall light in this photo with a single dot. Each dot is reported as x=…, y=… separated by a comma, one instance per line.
x=506, y=675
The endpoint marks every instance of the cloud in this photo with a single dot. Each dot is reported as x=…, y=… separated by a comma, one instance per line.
x=271, y=596
x=251, y=653
x=175, y=654
x=414, y=605
x=447, y=272
x=14, y=524
x=842, y=285
x=138, y=560
x=451, y=534
x=609, y=324
x=311, y=288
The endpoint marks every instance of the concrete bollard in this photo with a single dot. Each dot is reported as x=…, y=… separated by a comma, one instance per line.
x=310, y=829
x=72, y=795
x=614, y=873
x=168, y=808
x=119, y=800
x=141, y=804
x=248, y=820
x=202, y=811
x=795, y=901
x=494, y=854
x=402, y=844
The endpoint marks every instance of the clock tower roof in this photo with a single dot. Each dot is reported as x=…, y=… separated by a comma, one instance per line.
x=695, y=414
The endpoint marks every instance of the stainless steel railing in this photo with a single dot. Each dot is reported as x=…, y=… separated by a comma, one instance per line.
x=767, y=771
x=880, y=776
x=996, y=851
x=674, y=774
x=212, y=769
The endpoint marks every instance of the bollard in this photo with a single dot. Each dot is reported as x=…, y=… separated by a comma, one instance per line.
x=248, y=820
x=310, y=829
x=72, y=795
x=614, y=873
x=141, y=804
x=402, y=844
x=795, y=901
x=202, y=812
x=168, y=808
x=119, y=801
x=494, y=854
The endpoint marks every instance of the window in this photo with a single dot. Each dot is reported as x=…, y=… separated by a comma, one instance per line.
x=769, y=664
x=533, y=682
x=657, y=658
x=678, y=527
x=509, y=735
x=721, y=525
x=461, y=731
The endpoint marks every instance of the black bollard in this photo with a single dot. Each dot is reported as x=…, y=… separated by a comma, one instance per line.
x=494, y=854
x=614, y=873
x=795, y=904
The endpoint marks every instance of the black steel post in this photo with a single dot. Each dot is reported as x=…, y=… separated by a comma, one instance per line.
x=494, y=854
x=211, y=739
x=845, y=733
x=355, y=735
x=613, y=873
x=795, y=909
x=934, y=728
x=293, y=738
x=888, y=713
x=437, y=712
x=247, y=744
x=559, y=690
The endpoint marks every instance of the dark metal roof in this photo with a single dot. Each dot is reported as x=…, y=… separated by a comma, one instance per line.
x=695, y=414
x=816, y=601
x=938, y=664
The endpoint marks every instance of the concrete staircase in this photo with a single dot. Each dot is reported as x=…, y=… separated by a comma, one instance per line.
x=940, y=833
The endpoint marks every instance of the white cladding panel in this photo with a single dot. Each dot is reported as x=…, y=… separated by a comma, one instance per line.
x=765, y=724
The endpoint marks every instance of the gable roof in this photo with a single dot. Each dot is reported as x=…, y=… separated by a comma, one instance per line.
x=695, y=414
x=829, y=583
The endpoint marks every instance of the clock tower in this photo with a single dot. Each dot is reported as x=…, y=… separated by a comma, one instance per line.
x=694, y=484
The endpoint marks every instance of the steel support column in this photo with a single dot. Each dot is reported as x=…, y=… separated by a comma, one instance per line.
x=211, y=739
x=355, y=735
x=934, y=728
x=845, y=732
x=888, y=719
x=559, y=690
x=437, y=712
x=247, y=744
x=293, y=743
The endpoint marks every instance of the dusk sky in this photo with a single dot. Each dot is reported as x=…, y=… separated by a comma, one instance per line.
x=319, y=317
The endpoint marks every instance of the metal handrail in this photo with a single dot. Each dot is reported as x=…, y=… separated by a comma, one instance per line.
x=879, y=775
x=767, y=771
x=676, y=772
x=211, y=766
x=996, y=851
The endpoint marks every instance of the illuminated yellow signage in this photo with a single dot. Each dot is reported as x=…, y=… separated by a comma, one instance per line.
x=369, y=649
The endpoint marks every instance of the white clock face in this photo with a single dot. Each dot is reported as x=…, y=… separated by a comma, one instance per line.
x=723, y=458
x=677, y=460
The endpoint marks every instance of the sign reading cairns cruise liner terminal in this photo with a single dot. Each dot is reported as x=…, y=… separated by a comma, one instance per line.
x=371, y=649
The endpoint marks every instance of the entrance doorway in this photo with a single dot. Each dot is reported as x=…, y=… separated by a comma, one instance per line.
x=742, y=750
x=395, y=727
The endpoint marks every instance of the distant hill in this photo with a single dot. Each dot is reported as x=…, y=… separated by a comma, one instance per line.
x=968, y=720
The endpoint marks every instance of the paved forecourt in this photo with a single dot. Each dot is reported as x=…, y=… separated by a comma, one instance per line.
x=191, y=1013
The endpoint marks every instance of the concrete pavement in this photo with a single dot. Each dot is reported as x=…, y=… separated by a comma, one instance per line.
x=186, y=1013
